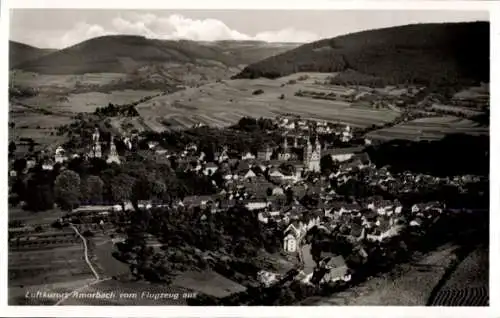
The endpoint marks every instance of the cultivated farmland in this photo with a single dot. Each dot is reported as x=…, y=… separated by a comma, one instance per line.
x=88, y=102
x=223, y=103
x=430, y=128
x=48, y=81
x=47, y=261
x=468, y=285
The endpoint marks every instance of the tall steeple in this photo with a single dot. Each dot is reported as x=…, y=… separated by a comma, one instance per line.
x=113, y=155
x=95, y=136
x=96, y=147
x=307, y=152
x=112, y=147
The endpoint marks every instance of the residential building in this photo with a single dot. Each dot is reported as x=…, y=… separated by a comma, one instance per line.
x=210, y=169
x=60, y=156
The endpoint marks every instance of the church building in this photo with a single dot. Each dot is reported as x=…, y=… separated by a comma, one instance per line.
x=95, y=151
x=312, y=156
x=113, y=154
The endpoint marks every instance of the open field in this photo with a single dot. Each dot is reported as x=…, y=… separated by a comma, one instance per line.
x=208, y=282
x=39, y=117
x=46, y=259
x=223, y=103
x=409, y=285
x=430, y=128
x=456, y=109
x=41, y=81
x=32, y=123
x=88, y=102
x=34, y=218
x=47, y=266
x=107, y=265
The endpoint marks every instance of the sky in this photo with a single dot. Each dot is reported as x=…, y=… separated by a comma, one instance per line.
x=60, y=28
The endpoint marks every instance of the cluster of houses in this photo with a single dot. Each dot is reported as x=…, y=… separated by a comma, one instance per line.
x=300, y=126
x=262, y=185
x=60, y=155
x=273, y=188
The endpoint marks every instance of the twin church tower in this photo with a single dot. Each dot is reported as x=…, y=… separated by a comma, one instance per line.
x=96, y=151
x=311, y=155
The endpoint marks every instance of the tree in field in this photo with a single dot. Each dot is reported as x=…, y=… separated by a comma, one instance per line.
x=122, y=188
x=91, y=190
x=67, y=190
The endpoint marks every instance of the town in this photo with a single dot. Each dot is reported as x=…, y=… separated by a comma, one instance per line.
x=264, y=203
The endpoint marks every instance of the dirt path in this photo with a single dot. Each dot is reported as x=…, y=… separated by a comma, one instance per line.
x=408, y=285
x=87, y=260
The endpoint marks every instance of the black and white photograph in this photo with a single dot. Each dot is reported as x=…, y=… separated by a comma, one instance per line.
x=230, y=157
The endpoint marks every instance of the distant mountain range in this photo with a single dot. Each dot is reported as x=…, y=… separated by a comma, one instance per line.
x=125, y=54
x=430, y=54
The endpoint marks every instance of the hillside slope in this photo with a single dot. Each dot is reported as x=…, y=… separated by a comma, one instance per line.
x=19, y=53
x=440, y=54
x=125, y=54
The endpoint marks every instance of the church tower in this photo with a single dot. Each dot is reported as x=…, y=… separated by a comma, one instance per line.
x=307, y=153
x=314, y=157
x=285, y=154
x=318, y=145
x=268, y=153
x=113, y=154
x=96, y=146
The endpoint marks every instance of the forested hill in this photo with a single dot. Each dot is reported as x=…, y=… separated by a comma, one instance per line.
x=441, y=54
x=127, y=53
x=19, y=53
